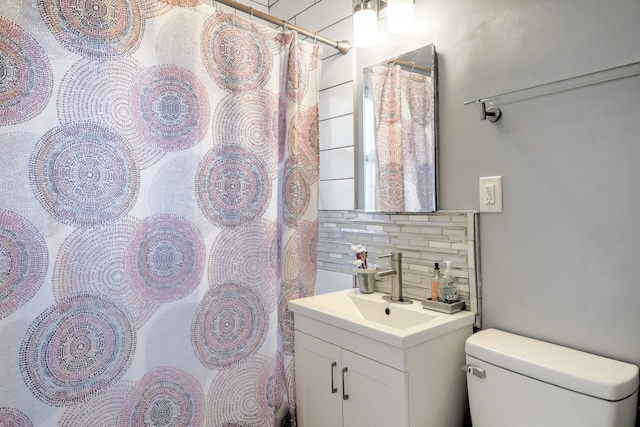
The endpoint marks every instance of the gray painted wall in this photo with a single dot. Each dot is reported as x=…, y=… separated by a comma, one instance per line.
x=562, y=263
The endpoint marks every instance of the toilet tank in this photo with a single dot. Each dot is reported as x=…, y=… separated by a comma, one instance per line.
x=515, y=381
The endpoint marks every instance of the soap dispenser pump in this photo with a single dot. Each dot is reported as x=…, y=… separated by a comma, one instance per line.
x=447, y=291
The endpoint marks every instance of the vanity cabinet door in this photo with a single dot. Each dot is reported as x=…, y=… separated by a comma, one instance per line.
x=377, y=393
x=318, y=374
x=335, y=387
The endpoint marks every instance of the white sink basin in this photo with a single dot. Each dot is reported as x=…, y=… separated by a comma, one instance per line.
x=369, y=315
x=374, y=309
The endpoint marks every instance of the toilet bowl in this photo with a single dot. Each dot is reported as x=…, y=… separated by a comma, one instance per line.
x=515, y=381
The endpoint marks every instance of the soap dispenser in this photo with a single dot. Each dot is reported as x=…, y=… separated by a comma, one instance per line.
x=435, y=282
x=447, y=291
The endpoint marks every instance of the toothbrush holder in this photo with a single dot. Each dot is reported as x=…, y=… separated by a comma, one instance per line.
x=366, y=280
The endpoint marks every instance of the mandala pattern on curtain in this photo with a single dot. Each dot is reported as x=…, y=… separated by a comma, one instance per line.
x=404, y=123
x=159, y=172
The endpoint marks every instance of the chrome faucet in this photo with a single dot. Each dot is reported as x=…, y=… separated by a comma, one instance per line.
x=396, y=278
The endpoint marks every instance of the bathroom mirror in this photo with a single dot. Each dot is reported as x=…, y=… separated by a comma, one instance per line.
x=398, y=133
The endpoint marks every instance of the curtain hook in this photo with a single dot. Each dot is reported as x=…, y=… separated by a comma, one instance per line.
x=315, y=38
x=285, y=25
x=251, y=18
x=413, y=65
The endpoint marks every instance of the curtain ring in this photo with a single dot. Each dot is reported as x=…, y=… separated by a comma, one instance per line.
x=251, y=18
x=315, y=38
x=413, y=65
x=285, y=25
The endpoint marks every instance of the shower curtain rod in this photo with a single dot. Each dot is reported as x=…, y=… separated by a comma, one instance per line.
x=409, y=64
x=342, y=46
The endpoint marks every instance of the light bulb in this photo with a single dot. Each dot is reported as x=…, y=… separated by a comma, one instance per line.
x=365, y=24
x=400, y=16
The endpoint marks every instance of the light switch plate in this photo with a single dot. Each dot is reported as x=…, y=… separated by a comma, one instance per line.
x=491, y=194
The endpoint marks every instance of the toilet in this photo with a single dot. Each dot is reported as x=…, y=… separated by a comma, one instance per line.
x=515, y=381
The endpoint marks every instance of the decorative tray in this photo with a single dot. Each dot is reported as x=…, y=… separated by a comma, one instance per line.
x=443, y=307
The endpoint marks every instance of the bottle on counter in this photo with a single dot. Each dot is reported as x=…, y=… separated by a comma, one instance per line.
x=447, y=291
x=435, y=282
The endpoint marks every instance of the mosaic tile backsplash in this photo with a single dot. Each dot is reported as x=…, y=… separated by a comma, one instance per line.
x=423, y=239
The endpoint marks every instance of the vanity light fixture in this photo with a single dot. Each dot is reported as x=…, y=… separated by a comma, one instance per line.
x=400, y=16
x=365, y=23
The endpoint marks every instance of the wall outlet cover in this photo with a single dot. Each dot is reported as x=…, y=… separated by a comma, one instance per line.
x=491, y=194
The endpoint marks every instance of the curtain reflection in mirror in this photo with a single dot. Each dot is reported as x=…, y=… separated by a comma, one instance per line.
x=399, y=140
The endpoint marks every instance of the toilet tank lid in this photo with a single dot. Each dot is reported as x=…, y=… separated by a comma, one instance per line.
x=564, y=367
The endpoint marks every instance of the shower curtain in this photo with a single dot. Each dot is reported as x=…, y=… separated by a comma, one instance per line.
x=404, y=137
x=158, y=209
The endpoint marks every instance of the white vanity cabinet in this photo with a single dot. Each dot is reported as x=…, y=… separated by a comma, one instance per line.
x=361, y=361
x=336, y=387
